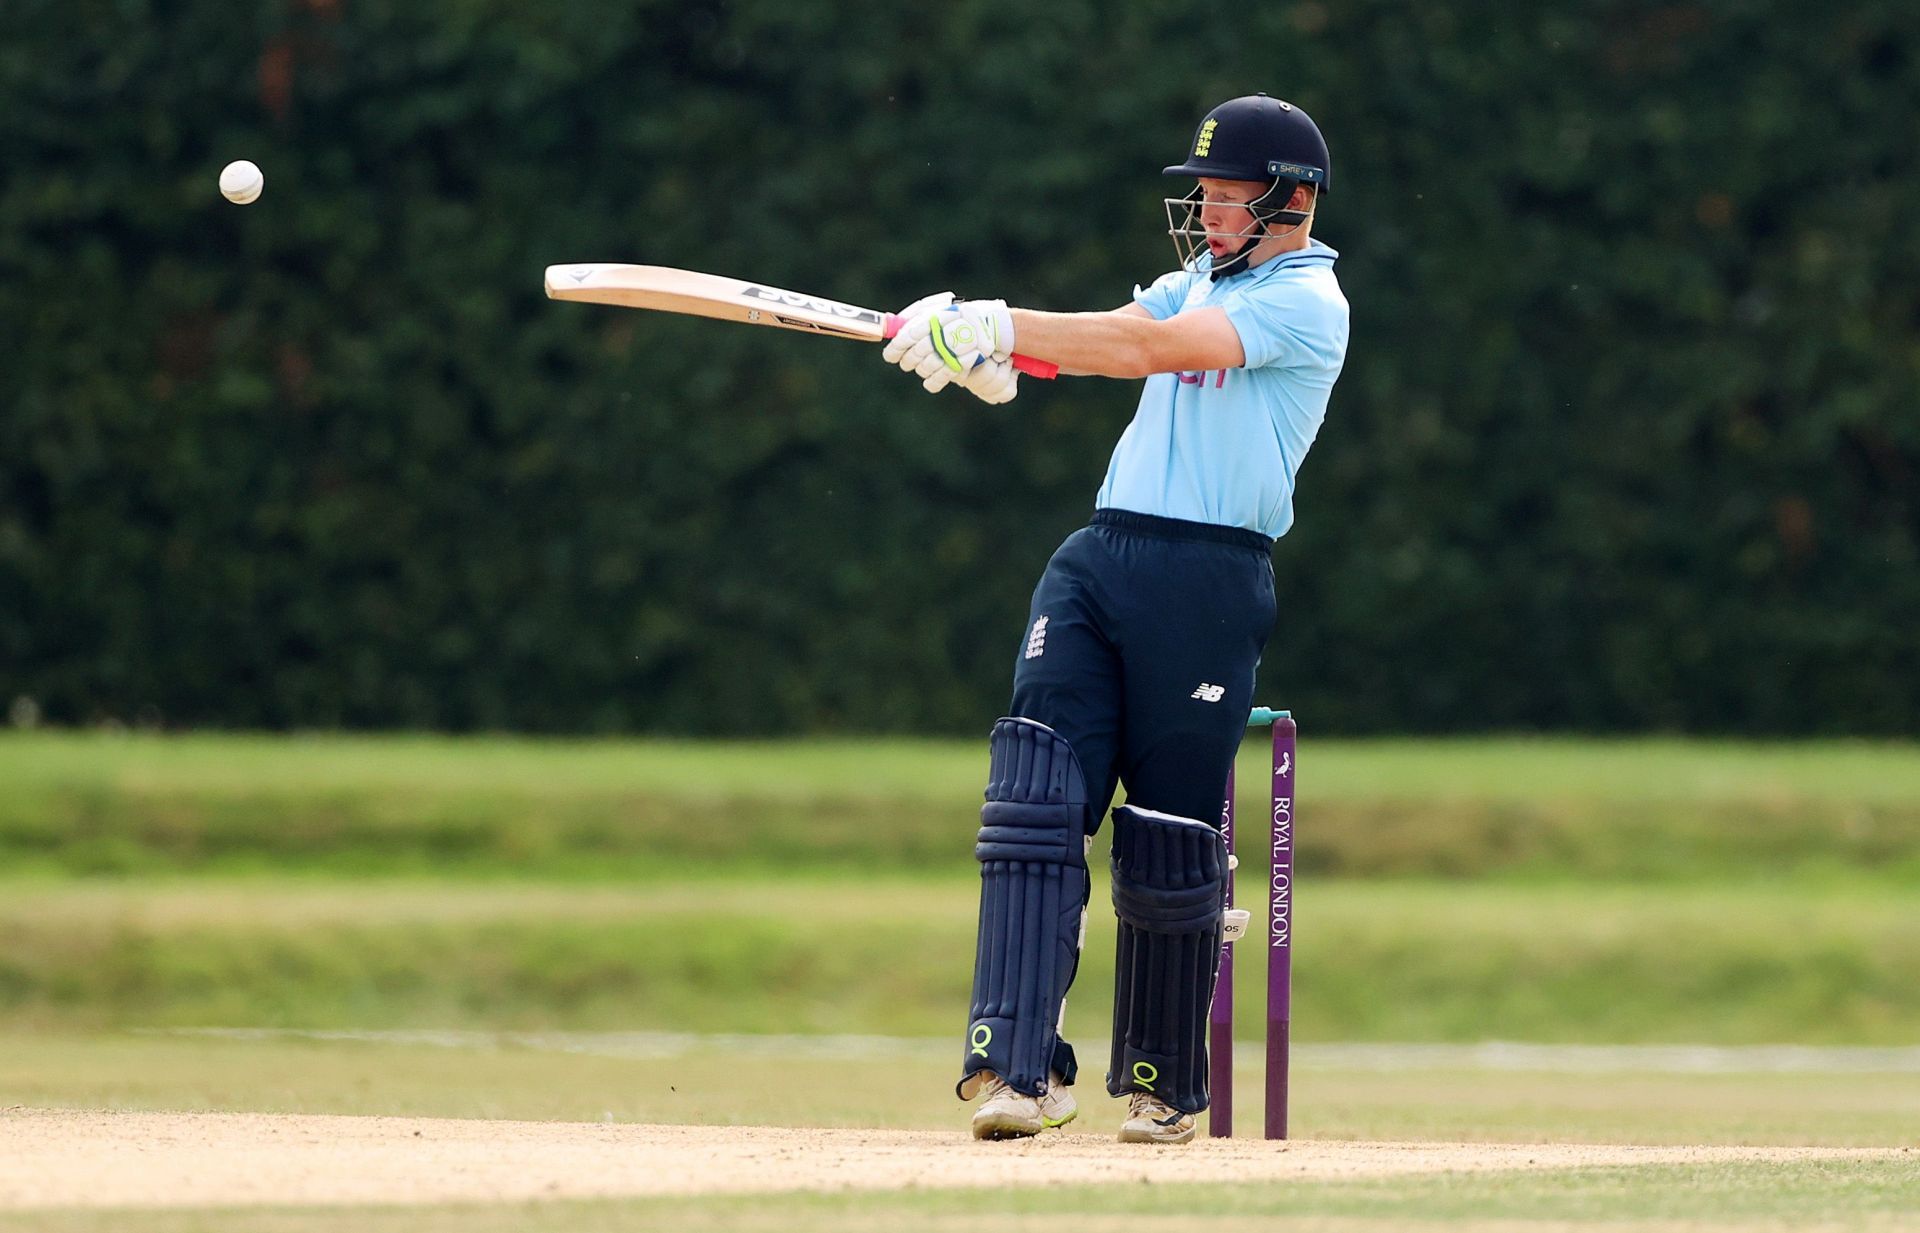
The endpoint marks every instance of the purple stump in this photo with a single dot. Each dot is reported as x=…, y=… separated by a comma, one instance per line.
x=1280, y=927
x=1220, y=1014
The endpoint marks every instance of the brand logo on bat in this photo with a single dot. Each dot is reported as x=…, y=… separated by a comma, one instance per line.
x=794, y=299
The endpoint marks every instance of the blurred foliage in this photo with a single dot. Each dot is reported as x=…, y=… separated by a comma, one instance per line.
x=1626, y=438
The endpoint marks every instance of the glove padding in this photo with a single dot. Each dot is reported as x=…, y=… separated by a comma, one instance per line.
x=943, y=340
x=992, y=381
x=968, y=331
x=913, y=344
x=925, y=306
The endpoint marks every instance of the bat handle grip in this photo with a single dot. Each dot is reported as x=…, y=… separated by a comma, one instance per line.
x=1046, y=370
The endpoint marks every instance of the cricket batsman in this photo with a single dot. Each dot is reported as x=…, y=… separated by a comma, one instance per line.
x=1137, y=663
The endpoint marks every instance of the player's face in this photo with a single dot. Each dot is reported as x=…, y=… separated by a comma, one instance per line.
x=1223, y=209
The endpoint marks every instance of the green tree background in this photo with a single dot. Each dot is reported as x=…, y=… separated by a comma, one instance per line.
x=1627, y=437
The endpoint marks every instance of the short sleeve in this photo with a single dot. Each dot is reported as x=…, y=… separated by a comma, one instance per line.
x=1291, y=324
x=1167, y=294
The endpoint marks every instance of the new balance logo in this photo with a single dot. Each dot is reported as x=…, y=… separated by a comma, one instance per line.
x=1209, y=693
x=1037, y=639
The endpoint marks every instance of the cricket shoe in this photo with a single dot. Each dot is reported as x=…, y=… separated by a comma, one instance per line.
x=1152, y=1120
x=1007, y=1114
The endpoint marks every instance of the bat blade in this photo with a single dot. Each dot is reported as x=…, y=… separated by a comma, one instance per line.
x=689, y=292
x=664, y=289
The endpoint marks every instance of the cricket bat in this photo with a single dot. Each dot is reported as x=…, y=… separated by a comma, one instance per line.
x=668, y=290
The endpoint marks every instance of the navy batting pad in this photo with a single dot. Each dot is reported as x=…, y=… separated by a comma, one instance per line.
x=1033, y=894
x=1169, y=890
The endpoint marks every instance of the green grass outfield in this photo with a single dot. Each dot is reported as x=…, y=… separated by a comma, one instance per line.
x=1452, y=890
x=1485, y=768
x=1722, y=963
x=1552, y=891
x=1644, y=809
x=1877, y=1196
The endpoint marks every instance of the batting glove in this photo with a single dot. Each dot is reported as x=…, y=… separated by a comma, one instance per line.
x=970, y=331
x=939, y=345
x=911, y=347
x=993, y=381
x=911, y=316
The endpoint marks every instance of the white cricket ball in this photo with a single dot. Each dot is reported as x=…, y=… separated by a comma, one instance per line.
x=241, y=182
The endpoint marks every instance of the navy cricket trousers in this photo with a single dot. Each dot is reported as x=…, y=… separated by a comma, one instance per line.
x=1141, y=646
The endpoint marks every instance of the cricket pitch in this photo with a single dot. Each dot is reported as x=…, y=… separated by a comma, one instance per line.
x=75, y=1159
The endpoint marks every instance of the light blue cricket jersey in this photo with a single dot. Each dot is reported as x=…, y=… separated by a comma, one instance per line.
x=1224, y=446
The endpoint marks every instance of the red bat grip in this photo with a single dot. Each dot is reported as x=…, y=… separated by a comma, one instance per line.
x=1046, y=370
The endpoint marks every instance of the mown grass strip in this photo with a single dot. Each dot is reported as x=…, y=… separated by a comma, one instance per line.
x=1405, y=961
x=1664, y=810
x=1479, y=768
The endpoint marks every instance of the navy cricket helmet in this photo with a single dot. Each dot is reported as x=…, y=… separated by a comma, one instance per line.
x=1250, y=138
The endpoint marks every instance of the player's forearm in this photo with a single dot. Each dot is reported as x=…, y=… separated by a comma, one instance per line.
x=1104, y=344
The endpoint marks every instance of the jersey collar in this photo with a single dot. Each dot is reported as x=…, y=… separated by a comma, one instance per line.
x=1315, y=253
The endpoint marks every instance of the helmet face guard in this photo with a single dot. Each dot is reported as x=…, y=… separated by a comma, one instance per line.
x=1190, y=236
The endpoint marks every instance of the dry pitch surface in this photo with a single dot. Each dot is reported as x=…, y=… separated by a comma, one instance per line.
x=59, y=1158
